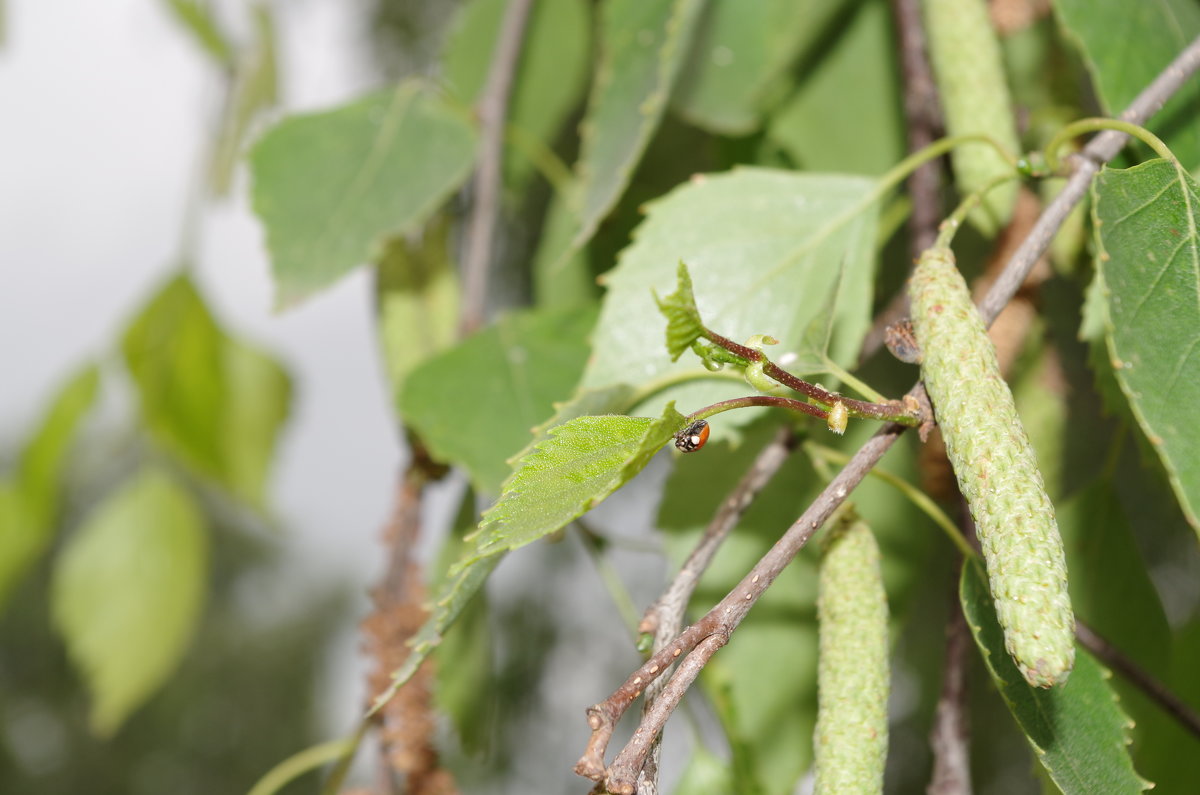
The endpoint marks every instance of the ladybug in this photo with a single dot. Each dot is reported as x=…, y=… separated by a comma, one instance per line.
x=693, y=437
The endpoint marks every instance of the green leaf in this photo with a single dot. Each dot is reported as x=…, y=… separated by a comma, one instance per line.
x=475, y=404
x=643, y=43
x=550, y=75
x=763, y=248
x=1149, y=258
x=29, y=502
x=572, y=471
x=417, y=295
x=706, y=774
x=331, y=187
x=1125, y=45
x=825, y=127
x=465, y=689
x=1077, y=730
x=684, y=325
x=1101, y=551
x=454, y=595
x=209, y=399
x=197, y=18
x=127, y=593
x=739, y=52
x=255, y=89
x=43, y=458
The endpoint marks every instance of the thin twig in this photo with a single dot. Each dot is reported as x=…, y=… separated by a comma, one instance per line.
x=1155, y=690
x=923, y=116
x=714, y=629
x=1101, y=149
x=492, y=111
x=950, y=736
x=665, y=617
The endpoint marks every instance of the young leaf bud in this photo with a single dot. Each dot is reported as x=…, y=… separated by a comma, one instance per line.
x=839, y=417
x=996, y=471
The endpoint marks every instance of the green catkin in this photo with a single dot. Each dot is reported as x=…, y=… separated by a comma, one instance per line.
x=850, y=740
x=969, y=71
x=996, y=470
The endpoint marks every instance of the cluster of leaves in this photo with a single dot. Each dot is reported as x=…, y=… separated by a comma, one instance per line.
x=749, y=140
x=789, y=233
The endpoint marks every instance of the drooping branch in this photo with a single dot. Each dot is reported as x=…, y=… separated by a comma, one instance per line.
x=664, y=618
x=492, y=110
x=702, y=639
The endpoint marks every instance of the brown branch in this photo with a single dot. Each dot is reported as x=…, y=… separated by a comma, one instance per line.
x=950, y=736
x=665, y=617
x=714, y=629
x=924, y=123
x=1101, y=149
x=406, y=724
x=492, y=111
x=1155, y=690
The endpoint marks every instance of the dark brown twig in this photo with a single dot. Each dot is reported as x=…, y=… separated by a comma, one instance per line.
x=892, y=411
x=714, y=629
x=950, y=736
x=1155, y=690
x=665, y=617
x=923, y=116
x=492, y=111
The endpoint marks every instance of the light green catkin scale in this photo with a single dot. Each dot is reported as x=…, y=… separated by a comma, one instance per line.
x=850, y=741
x=969, y=71
x=996, y=470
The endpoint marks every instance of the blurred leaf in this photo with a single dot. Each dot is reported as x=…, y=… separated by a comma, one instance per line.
x=706, y=774
x=332, y=187
x=197, y=18
x=127, y=593
x=29, y=502
x=550, y=75
x=254, y=90
x=1101, y=551
x=417, y=295
x=206, y=397
x=643, y=43
x=763, y=249
x=559, y=280
x=464, y=689
x=737, y=53
x=475, y=404
x=1166, y=751
x=568, y=474
x=1149, y=259
x=824, y=126
x=42, y=459
x=1125, y=45
x=1077, y=730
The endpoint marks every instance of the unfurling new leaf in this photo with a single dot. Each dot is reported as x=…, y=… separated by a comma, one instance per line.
x=996, y=470
x=684, y=326
x=850, y=742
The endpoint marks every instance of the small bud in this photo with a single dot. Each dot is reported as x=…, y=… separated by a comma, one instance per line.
x=758, y=379
x=839, y=418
